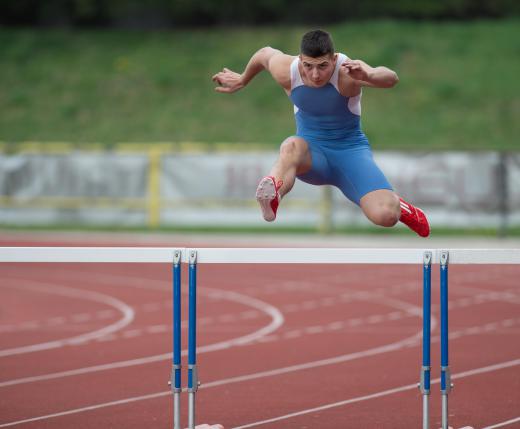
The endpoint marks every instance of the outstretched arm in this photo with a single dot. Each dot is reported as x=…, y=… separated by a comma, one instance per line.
x=365, y=75
x=229, y=81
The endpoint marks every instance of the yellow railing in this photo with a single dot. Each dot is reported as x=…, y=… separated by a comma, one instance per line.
x=152, y=203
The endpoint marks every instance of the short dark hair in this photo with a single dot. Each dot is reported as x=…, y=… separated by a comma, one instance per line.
x=316, y=43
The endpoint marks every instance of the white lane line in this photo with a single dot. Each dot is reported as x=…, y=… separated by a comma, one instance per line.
x=89, y=408
x=232, y=317
x=499, y=425
x=254, y=376
x=277, y=321
x=126, y=310
x=375, y=395
x=253, y=337
x=276, y=316
x=158, y=329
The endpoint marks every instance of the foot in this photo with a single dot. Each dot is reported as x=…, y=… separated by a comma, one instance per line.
x=268, y=197
x=414, y=218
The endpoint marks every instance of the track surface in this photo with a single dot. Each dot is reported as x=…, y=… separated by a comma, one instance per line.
x=88, y=346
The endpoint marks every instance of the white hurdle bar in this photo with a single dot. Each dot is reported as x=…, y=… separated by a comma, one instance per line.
x=255, y=255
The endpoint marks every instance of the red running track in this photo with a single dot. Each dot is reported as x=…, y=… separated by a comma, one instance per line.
x=88, y=346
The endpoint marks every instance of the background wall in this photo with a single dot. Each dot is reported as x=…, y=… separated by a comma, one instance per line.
x=159, y=187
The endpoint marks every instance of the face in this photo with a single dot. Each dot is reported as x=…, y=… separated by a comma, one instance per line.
x=317, y=71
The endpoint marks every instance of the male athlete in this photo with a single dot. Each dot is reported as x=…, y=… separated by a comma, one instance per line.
x=329, y=146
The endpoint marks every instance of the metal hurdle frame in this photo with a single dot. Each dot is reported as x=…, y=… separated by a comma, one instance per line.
x=177, y=256
x=176, y=368
x=424, y=384
x=446, y=385
x=193, y=379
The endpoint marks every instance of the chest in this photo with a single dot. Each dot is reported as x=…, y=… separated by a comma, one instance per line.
x=319, y=101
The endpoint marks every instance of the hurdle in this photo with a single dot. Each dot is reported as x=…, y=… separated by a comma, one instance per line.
x=176, y=367
x=195, y=256
x=424, y=383
x=446, y=385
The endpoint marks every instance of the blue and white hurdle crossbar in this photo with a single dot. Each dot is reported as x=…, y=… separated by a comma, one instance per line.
x=177, y=256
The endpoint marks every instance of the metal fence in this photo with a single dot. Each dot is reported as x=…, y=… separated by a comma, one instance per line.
x=166, y=184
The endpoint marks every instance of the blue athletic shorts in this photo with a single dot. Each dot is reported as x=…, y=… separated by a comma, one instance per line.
x=346, y=165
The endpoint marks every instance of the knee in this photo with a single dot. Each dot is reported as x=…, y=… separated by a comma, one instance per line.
x=385, y=213
x=384, y=216
x=292, y=149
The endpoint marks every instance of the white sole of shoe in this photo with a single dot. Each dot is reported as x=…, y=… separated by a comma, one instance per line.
x=265, y=193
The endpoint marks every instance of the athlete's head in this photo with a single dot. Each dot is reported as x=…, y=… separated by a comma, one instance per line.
x=316, y=43
x=317, y=57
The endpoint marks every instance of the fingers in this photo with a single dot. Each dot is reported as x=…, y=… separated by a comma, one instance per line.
x=223, y=89
x=352, y=65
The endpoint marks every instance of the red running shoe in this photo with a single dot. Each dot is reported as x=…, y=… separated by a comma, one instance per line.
x=414, y=218
x=268, y=197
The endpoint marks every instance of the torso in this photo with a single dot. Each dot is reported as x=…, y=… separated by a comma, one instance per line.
x=328, y=112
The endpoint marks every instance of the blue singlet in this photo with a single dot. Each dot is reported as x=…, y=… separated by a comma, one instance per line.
x=330, y=124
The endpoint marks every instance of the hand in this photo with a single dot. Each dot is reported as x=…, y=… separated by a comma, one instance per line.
x=357, y=69
x=228, y=81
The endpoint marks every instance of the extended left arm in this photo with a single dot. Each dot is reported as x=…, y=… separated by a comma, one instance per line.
x=377, y=77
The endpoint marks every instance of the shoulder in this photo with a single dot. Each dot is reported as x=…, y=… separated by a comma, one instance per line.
x=280, y=62
x=280, y=68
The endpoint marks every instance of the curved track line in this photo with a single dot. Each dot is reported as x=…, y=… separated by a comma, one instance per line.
x=128, y=317
x=276, y=316
x=233, y=295
x=238, y=341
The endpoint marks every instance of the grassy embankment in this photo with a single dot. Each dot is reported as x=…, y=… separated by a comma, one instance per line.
x=459, y=85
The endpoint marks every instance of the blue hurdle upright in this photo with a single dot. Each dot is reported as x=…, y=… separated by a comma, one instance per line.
x=446, y=385
x=426, y=366
x=176, y=369
x=424, y=384
x=193, y=380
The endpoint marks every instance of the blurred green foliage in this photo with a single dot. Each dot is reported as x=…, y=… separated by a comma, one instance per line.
x=459, y=86
x=167, y=13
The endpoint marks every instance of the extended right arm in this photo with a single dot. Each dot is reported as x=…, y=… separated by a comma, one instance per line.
x=264, y=59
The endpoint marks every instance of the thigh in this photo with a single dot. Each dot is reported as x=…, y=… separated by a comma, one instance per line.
x=318, y=171
x=357, y=174
x=296, y=150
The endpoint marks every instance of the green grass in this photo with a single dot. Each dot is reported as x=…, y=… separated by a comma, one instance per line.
x=458, y=90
